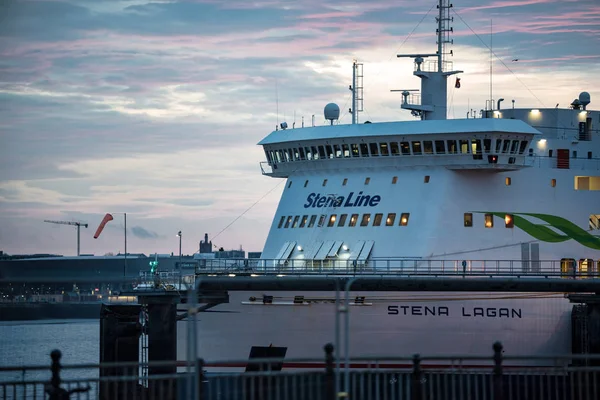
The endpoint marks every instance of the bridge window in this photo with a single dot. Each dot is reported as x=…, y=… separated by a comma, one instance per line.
x=439, y=147
x=523, y=146
x=344, y=181
x=301, y=152
x=321, y=220
x=587, y=183
x=355, y=152
x=295, y=223
x=311, y=223
x=342, y=220
x=394, y=180
x=346, y=150
x=514, y=147
x=506, y=146
x=304, y=220
x=476, y=149
x=321, y=152
x=383, y=149
x=377, y=220
x=374, y=150
x=288, y=222
x=353, y=220
x=489, y=220
x=395, y=150
x=365, y=220
x=452, y=148
x=428, y=147
x=331, y=220
x=337, y=151
x=364, y=150
x=404, y=219
x=498, y=145
x=329, y=151
x=416, y=148
x=404, y=146
x=468, y=220
x=487, y=145
x=281, y=222
x=464, y=146
x=315, y=153
x=389, y=221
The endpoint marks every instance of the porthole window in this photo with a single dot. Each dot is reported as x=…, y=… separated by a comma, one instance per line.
x=311, y=223
x=304, y=220
x=288, y=222
x=342, y=220
x=509, y=220
x=321, y=220
x=331, y=220
x=295, y=223
x=377, y=220
x=345, y=181
x=489, y=220
x=366, y=218
x=507, y=181
x=281, y=221
x=389, y=221
x=353, y=220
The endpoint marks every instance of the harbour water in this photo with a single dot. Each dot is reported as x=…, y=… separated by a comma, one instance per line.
x=30, y=343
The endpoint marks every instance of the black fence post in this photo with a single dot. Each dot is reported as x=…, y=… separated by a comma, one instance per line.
x=416, y=389
x=329, y=373
x=497, y=378
x=54, y=391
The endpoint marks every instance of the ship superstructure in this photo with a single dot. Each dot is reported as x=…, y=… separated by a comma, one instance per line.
x=516, y=186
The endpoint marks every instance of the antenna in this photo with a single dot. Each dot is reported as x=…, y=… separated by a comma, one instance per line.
x=491, y=63
x=357, y=90
x=277, y=101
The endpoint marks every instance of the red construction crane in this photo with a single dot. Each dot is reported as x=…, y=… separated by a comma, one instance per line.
x=77, y=224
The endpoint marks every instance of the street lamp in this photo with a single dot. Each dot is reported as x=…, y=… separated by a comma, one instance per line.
x=179, y=234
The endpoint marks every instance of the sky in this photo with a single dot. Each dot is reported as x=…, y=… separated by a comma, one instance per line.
x=155, y=109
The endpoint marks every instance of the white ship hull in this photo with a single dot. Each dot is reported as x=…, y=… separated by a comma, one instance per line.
x=391, y=324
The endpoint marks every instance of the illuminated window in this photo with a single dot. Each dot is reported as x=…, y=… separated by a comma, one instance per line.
x=389, y=221
x=509, y=221
x=377, y=220
x=416, y=148
x=405, y=147
x=489, y=220
x=304, y=220
x=331, y=220
x=507, y=181
x=306, y=183
x=468, y=219
x=281, y=222
x=345, y=181
x=321, y=220
x=587, y=183
x=553, y=182
x=367, y=180
x=324, y=182
x=426, y=180
x=342, y=220
x=289, y=184
x=311, y=223
x=365, y=220
x=394, y=180
x=288, y=222
x=295, y=223
x=353, y=220
x=383, y=149
x=404, y=219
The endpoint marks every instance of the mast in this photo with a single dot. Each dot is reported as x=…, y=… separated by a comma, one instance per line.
x=432, y=103
x=357, y=90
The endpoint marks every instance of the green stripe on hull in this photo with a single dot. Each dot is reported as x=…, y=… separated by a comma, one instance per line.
x=545, y=234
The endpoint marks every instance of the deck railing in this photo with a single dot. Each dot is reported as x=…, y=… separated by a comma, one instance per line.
x=403, y=267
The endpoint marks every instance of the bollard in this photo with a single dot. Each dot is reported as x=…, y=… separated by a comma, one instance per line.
x=329, y=373
x=417, y=379
x=54, y=391
x=497, y=378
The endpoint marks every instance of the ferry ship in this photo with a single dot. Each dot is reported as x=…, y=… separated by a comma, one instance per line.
x=514, y=188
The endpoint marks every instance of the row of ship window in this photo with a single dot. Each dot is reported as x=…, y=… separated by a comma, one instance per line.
x=509, y=221
x=309, y=221
x=476, y=147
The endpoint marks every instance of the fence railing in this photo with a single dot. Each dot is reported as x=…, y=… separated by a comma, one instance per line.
x=495, y=377
x=518, y=268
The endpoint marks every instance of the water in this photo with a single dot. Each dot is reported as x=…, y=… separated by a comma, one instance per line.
x=30, y=343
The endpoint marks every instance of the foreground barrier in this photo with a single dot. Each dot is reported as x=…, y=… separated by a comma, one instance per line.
x=429, y=378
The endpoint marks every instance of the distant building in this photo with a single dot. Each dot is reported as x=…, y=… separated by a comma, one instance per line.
x=205, y=245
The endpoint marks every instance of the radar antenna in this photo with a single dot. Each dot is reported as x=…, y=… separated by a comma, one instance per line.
x=434, y=74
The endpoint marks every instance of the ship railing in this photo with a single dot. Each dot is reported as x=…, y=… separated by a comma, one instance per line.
x=165, y=280
x=405, y=267
x=409, y=377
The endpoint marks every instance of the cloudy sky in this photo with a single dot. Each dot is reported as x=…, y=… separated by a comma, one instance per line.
x=155, y=108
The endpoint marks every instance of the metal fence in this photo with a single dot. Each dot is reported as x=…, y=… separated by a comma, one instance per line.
x=402, y=378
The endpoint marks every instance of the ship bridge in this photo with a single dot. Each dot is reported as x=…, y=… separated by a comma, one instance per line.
x=462, y=144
